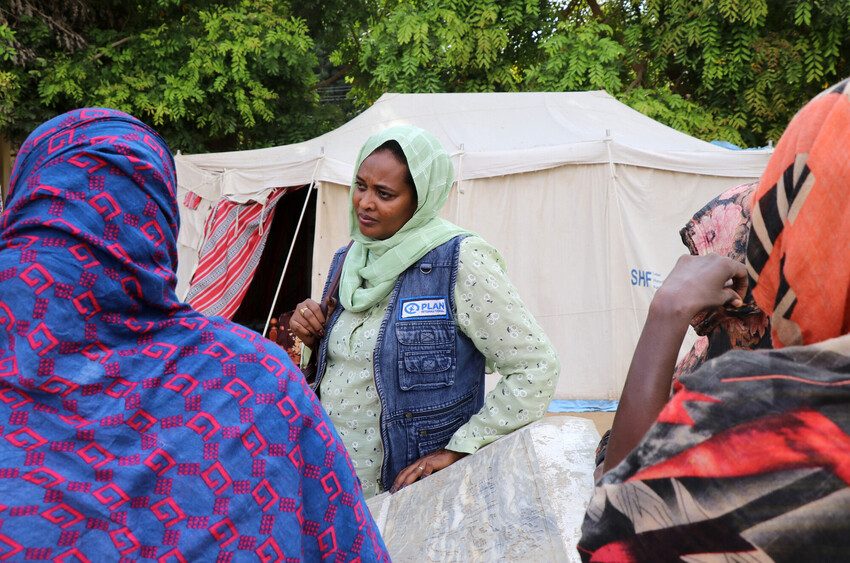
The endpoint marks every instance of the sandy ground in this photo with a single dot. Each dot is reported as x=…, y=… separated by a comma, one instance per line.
x=602, y=420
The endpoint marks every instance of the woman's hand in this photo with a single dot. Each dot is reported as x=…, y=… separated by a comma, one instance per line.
x=696, y=283
x=424, y=466
x=308, y=321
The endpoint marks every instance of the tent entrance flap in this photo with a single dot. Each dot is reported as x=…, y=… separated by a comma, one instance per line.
x=295, y=286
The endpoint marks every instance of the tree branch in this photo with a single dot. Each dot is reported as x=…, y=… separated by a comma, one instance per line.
x=597, y=11
x=341, y=72
x=640, y=71
x=69, y=33
x=565, y=13
x=113, y=45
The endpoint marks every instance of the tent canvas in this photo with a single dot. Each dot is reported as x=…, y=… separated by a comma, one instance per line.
x=583, y=196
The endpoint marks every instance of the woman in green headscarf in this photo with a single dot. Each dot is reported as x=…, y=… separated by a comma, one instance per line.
x=423, y=305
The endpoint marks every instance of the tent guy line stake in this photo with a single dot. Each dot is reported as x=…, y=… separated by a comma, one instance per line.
x=292, y=244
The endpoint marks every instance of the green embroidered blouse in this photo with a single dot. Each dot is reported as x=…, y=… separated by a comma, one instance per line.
x=492, y=315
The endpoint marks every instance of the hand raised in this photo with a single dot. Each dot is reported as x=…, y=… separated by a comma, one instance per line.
x=698, y=283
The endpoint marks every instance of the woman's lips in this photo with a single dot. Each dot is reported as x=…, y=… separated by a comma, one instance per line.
x=366, y=220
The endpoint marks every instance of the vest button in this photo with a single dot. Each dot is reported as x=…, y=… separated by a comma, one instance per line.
x=423, y=433
x=408, y=415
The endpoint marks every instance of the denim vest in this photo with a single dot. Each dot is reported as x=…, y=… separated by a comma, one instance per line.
x=429, y=376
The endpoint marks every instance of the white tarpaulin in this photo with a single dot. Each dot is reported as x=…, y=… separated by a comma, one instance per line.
x=522, y=498
x=583, y=196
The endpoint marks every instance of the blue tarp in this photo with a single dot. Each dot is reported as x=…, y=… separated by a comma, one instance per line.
x=734, y=147
x=579, y=405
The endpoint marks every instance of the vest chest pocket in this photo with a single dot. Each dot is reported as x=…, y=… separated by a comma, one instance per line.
x=426, y=354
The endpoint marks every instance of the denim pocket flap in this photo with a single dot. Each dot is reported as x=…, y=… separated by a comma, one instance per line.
x=427, y=362
x=426, y=370
x=424, y=333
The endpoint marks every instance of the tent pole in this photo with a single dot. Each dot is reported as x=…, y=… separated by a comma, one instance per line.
x=292, y=245
x=608, y=140
x=288, y=257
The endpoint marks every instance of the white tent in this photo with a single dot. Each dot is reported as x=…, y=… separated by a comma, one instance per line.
x=583, y=196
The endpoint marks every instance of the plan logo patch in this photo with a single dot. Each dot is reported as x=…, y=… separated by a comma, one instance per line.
x=421, y=308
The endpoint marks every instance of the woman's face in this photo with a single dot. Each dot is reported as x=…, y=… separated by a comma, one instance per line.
x=383, y=200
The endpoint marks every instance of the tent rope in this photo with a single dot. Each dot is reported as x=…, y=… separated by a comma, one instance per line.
x=294, y=238
x=265, y=209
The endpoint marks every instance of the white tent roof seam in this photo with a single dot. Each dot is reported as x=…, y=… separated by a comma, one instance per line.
x=568, y=128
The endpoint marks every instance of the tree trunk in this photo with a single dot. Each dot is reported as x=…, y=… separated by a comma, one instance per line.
x=5, y=169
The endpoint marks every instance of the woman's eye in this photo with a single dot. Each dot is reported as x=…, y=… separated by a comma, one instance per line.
x=384, y=195
x=359, y=187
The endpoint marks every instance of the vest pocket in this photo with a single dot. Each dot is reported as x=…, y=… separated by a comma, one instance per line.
x=426, y=354
x=425, y=370
x=431, y=437
x=425, y=333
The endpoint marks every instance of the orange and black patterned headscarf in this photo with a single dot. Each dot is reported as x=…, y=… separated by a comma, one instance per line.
x=799, y=249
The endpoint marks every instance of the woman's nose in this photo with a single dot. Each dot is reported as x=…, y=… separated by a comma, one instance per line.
x=367, y=201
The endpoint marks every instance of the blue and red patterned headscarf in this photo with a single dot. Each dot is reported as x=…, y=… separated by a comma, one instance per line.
x=131, y=426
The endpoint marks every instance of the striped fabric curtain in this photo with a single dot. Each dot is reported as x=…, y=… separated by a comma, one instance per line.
x=234, y=238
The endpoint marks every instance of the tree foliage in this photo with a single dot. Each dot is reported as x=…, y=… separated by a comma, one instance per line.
x=442, y=46
x=750, y=63
x=9, y=84
x=209, y=76
x=230, y=74
x=730, y=69
x=27, y=29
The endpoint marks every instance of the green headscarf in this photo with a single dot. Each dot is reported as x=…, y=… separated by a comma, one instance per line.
x=372, y=266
